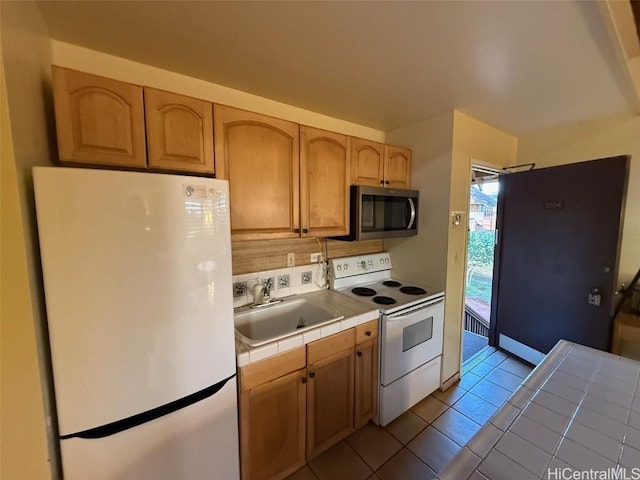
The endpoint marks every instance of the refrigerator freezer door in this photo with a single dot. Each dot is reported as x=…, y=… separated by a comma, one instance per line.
x=199, y=442
x=137, y=277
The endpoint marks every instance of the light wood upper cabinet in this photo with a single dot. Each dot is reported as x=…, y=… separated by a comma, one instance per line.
x=259, y=155
x=324, y=183
x=397, y=167
x=367, y=162
x=378, y=165
x=179, y=132
x=272, y=428
x=98, y=120
x=329, y=401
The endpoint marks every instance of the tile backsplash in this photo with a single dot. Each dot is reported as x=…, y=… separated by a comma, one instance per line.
x=284, y=282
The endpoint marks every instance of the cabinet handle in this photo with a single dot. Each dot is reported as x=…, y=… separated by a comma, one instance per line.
x=304, y=379
x=387, y=182
x=296, y=230
x=367, y=333
x=381, y=182
x=359, y=354
x=312, y=374
x=305, y=230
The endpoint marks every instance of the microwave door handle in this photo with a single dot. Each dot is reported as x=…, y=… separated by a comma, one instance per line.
x=412, y=219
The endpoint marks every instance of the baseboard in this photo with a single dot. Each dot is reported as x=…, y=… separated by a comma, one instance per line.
x=521, y=350
x=450, y=381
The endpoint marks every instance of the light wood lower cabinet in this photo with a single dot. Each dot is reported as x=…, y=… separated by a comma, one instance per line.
x=272, y=428
x=329, y=401
x=290, y=414
x=366, y=382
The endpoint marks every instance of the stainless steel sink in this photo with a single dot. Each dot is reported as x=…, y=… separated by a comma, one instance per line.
x=273, y=322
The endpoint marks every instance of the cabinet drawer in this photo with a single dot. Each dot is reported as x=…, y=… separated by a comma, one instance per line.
x=331, y=345
x=271, y=368
x=367, y=331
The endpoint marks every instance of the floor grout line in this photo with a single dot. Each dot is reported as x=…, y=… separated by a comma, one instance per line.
x=431, y=423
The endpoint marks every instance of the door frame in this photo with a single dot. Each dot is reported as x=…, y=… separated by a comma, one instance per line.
x=475, y=163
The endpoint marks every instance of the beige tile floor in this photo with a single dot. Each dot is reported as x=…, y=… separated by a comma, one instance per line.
x=419, y=443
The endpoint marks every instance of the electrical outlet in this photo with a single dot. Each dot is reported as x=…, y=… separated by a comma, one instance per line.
x=316, y=257
x=291, y=259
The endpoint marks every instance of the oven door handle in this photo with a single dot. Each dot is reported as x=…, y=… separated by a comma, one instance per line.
x=412, y=219
x=402, y=316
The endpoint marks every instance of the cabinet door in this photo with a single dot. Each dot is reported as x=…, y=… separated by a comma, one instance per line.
x=366, y=382
x=329, y=401
x=324, y=183
x=179, y=131
x=272, y=428
x=98, y=120
x=397, y=167
x=260, y=157
x=367, y=162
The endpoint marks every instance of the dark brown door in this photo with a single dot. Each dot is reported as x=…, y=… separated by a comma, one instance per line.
x=557, y=256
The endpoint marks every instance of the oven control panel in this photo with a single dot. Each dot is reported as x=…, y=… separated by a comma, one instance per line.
x=349, y=266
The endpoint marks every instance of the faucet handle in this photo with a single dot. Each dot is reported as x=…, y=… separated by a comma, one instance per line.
x=268, y=286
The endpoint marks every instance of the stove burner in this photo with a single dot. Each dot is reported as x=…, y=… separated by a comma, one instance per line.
x=364, y=291
x=391, y=283
x=413, y=290
x=384, y=300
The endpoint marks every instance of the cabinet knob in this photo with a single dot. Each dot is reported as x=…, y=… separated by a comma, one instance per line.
x=367, y=333
x=303, y=379
x=381, y=182
x=359, y=354
x=305, y=230
x=387, y=182
x=296, y=230
x=312, y=374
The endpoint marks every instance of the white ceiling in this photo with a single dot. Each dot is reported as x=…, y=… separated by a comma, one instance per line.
x=520, y=66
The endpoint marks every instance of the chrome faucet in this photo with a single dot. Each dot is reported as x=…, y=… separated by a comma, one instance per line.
x=262, y=292
x=258, y=294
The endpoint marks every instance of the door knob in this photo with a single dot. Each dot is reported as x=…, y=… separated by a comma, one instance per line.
x=359, y=354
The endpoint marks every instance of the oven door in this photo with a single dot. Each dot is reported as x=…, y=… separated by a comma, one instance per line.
x=410, y=338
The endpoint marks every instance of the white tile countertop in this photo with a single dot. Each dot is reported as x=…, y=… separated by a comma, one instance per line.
x=578, y=411
x=353, y=312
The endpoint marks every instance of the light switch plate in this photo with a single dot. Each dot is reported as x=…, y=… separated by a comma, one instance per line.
x=291, y=259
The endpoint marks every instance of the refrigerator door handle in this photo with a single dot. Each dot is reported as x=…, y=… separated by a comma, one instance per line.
x=145, y=417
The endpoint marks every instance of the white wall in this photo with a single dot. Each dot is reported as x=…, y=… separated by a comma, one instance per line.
x=422, y=258
x=26, y=141
x=444, y=148
x=98, y=63
x=587, y=141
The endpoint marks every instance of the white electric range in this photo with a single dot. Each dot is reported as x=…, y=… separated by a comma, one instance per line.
x=411, y=327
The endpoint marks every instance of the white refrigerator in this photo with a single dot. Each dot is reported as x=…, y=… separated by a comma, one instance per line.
x=137, y=280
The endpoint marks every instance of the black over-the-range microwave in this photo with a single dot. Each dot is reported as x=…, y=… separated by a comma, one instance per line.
x=378, y=212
